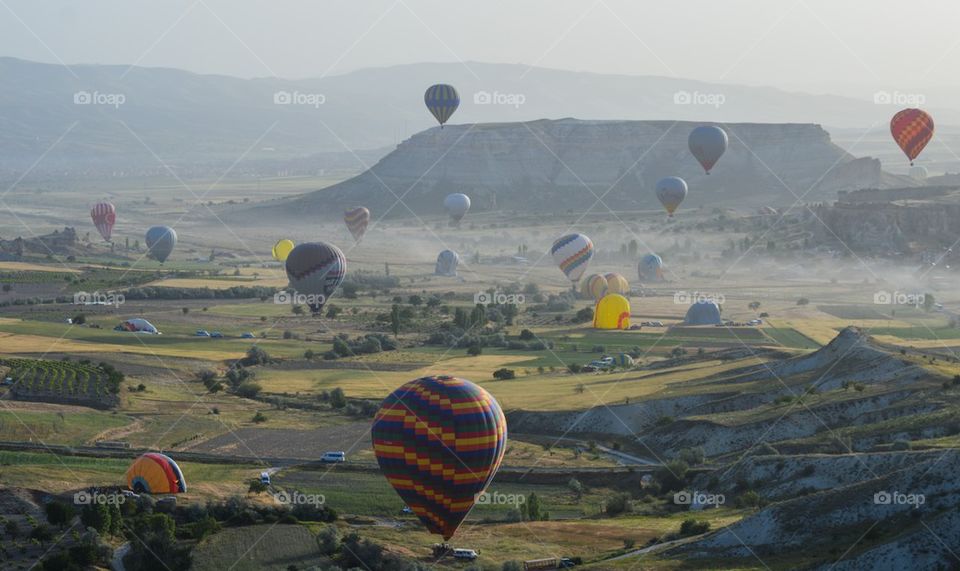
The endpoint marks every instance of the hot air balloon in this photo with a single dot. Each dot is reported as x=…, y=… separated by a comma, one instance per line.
x=919, y=172
x=161, y=240
x=104, y=216
x=912, y=129
x=442, y=100
x=612, y=312
x=137, y=325
x=282, y=249
x=316, y=270
x=707, y=144
x=650, y=268
x=572, y=253
x=703, y=312
x=457, y=205
x=357, y=220
x=155, y=473
x=670, y=192
x=439, y=442
x=616, y=283
x=595, y=286
x=447, y=263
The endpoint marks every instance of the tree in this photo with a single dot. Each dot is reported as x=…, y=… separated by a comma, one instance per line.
x=534, y=510
x=475, y=350
x=59, y=513
x=415, y=300
x=248, y=390
x=527, y=335
x=337, y=398
x=754, y=305
x=576, y=487
x=803, y=301
x=504, y=374
x=185, y=310
x=395, y=320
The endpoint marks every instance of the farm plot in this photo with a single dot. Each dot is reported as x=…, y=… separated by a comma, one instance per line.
x=63, y=382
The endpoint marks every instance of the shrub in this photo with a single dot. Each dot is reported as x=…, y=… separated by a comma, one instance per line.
x=693, y=527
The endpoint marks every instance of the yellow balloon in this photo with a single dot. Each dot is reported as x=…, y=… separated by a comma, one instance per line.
x=616, y=283
x=594, y=286
x=612, y=312
x=282, y=249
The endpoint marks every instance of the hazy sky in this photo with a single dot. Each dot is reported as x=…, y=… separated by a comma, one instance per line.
x=816, y=45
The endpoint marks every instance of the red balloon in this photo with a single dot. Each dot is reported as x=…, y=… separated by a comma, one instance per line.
x=104, y=216
x=912, y=129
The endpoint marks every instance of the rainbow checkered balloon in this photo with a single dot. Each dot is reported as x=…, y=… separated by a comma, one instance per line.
x=439, y=442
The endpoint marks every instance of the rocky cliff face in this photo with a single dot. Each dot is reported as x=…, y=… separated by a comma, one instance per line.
x=568, y=164
x=903, y=220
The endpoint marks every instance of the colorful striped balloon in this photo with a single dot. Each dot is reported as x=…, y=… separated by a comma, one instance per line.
x=104, y=216
x=155, y=473
x=439, y=442
x=912, y=129
x=572, y=253
x=442, y=100
x=357, y=220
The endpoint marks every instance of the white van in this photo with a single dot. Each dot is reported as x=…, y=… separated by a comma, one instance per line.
x=464, y=554
x=334, y=457
x=265, y=478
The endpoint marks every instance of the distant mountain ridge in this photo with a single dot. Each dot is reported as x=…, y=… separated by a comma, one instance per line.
x=118, y=115
x=569, y=164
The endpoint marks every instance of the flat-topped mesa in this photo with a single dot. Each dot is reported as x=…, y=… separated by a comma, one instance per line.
x=566, y=164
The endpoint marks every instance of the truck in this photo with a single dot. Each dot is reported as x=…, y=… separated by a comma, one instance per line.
x=548, y=563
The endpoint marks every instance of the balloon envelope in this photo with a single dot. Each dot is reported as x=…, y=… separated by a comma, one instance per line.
x=912, y=129
x=104, y=216
x=616, y=283
x=439, y=442
x=357, y=220
x=612, y=312
x=447, y=263
x=707, y=144
x=457, y=205
x=595, y=286
x=316, y=270
x=282, y=249
x=161, y=240
x=650, y=268
x=155, y=473
x=442, y=100
x=671, y=191
x=573, y=253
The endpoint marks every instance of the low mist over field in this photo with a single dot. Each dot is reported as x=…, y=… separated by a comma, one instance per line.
x=547, y=285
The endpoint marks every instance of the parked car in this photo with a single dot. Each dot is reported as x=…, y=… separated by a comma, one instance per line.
x=247, y=335
x=216, y=335
x=406, y=510
x=7, y=381
x=334, y=457
x=468, y=554
x=265, y=478
x=202, y=333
